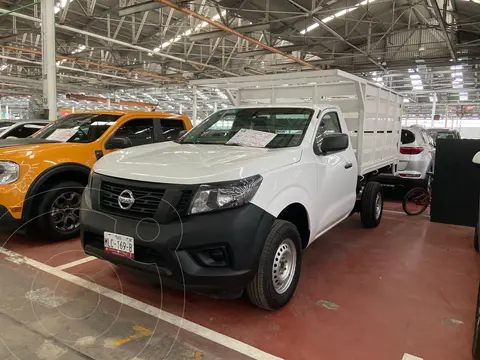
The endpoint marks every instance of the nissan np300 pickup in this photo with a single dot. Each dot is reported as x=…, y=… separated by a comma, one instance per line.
x=233, y=204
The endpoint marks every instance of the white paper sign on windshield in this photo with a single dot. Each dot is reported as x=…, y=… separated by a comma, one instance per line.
x=252, y=138
x=62, y=134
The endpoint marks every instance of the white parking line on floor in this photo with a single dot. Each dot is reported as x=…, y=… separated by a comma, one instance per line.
x=76, y=262
x=184, y=324
x=410, y=357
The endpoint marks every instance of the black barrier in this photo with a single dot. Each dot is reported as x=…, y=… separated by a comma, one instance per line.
x=456, y=186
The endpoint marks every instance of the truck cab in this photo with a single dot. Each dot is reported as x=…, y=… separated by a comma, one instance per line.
x=232, y=205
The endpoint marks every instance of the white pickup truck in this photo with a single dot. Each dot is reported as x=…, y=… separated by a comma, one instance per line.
x=233, y=204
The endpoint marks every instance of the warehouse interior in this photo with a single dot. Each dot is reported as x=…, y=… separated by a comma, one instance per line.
x=405, y=290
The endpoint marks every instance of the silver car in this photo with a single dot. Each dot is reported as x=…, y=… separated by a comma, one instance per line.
x=417, y=156
x=20, y=128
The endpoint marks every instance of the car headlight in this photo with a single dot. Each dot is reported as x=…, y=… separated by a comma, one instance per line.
x=9, y=172
x=225, y=195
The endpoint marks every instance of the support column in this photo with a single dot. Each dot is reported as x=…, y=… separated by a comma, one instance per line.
x=194, y=110
x=49, y=68
x=434, y=108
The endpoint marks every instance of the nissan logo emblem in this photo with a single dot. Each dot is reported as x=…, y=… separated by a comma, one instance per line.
x=126, y=199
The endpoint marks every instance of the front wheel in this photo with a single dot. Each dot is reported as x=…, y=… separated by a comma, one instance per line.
x=371, y=204
x=279, y=267
x=416, y=201
x=58, y=214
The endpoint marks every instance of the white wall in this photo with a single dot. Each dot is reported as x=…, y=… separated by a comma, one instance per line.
x=469, y=129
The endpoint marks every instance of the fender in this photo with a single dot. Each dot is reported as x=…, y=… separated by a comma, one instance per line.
x=45, y=176
x=286, y=197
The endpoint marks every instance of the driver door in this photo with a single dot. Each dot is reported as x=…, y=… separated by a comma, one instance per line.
x=336, y=177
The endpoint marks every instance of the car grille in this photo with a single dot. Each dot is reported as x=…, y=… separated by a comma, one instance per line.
x=147, y=200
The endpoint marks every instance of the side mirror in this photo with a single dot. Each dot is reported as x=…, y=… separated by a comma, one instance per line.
x=331, y=143
x=118, y=143
x=476, y=159
x=181, y=133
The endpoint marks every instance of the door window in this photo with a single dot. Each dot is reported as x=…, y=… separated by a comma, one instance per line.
x=329, y=125
x=171, y=128
x=137, y=131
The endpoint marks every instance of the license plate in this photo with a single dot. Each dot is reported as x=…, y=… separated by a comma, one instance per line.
x=117, y=244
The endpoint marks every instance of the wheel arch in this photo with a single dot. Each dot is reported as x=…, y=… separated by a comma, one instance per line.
x=297, y=214
x=60, y=172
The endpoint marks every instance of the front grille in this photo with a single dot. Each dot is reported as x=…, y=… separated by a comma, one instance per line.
x=182, y=205
x=145, y=205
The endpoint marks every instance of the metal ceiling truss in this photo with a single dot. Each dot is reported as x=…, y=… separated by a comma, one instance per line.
x=113, y=42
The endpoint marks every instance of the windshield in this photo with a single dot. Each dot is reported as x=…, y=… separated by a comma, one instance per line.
x=288, y=126
x=445, y=135
x=77, y=128
x=4, y=125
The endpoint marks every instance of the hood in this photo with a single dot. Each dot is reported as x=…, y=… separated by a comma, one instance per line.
x=26, y=141
x=193, y=164
x=29, y=150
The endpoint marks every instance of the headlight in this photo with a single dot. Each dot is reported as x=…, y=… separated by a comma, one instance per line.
x=9, y=172
x=225, y=195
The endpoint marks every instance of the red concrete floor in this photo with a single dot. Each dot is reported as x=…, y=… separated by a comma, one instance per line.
x=397, y=288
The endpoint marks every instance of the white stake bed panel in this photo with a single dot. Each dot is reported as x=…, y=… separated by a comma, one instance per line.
x=372, y=113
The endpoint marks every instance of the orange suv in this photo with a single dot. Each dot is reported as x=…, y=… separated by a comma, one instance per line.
x=42, y=177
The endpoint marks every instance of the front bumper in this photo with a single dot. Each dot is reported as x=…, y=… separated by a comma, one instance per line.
x=181, y=251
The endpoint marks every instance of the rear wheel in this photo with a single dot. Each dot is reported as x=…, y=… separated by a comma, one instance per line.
x=279, y=267
x=416, y=201
x=58, y=214
x=475, y=236
x=371, y=205
x=476, y=331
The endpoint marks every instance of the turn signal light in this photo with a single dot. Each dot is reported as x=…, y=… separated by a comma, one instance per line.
x=410, y=150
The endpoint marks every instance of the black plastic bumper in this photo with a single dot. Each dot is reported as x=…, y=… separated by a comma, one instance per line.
x=215, y=252
x=7, y=221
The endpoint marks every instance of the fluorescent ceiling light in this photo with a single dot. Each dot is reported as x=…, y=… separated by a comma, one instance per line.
x=411, y=70
x=416, y=76
x=188, y=32
x=405, y=100
x=60, y=5
x=456, y=67
x=463, y=96
x=417, y=82
x=336, y=15
x=418, y=87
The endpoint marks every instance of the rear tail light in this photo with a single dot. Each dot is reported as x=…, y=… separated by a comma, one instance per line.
x=410, y=150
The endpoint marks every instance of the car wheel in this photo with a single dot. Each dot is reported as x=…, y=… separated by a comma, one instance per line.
x=475, y=236
x=371, y=206
x=476, y=330
x=279, y=267
x=58, y=214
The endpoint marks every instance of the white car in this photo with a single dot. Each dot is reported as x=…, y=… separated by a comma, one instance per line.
x=20, y=128
x=232, y=205
x=417, y=157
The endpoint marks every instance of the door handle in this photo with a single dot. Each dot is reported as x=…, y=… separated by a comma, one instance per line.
x=348, y=165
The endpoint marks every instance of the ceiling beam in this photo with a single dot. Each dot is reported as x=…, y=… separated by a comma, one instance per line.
x=233, y=32
x=241, y=29
x=438, y=15
x=144, y=6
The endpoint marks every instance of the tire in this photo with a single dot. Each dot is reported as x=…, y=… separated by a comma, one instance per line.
x=263, y=291
x=476, y=330
x=371, y=205
x=417, y=196
x=67, y=194
x=475, y=237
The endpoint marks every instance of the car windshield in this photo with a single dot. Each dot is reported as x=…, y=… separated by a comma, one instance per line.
x=77, y=128
x=445, y=135
x=4, y=125
x=283, y=127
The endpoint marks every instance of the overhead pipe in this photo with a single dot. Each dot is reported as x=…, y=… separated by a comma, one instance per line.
x=118, y=42
x=236, y=33
x=80, y=97
x=88, y=62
